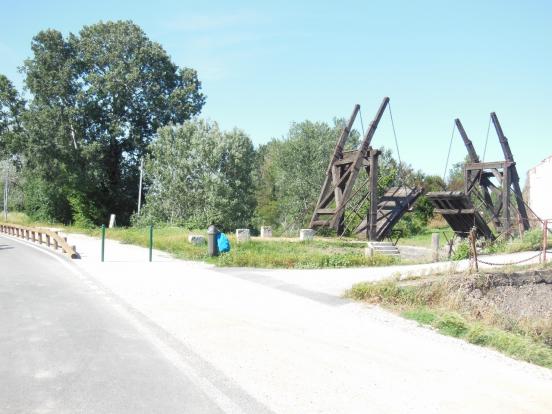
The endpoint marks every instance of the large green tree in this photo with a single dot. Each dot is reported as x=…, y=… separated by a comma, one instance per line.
x=199, y=175
x=291, y=170
x=12, y=109
x=98, y=98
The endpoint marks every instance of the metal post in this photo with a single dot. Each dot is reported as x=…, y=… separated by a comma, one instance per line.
x=140, y=185
x=103, y=241
x=150, y=242
x=6, y=197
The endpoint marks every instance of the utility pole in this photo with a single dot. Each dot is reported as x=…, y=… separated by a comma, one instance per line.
x=140, y=185
x=6, y=196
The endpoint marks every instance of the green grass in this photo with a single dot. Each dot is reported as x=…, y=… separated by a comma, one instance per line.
x=263, y=254
x=320, y=253
x=431, y=304
x=424, y=239
x=453, y=324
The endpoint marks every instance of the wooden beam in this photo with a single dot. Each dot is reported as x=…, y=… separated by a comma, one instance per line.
x=373, y=214
x=355, y=167
x=454, y=211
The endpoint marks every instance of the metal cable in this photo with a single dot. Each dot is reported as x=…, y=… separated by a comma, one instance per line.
x=486, y=140
x=400, y=170
x=448, y=155
x=361, y=121
x=394, y=133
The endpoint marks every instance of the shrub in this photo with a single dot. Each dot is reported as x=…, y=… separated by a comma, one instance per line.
x=462, y=251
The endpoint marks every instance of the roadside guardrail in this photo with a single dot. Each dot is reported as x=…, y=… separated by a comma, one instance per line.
x=47, y=237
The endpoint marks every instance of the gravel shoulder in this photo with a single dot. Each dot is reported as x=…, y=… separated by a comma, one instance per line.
x=293, y=344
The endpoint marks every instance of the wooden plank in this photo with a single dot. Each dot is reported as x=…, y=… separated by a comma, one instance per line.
x=487, y=165
x=325, y=211
x=454, y=211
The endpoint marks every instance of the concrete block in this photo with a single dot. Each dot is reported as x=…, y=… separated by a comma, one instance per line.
x=196, y=239
x=435, y=246
x=243, y=235
x=266, y=231
x=306, y=234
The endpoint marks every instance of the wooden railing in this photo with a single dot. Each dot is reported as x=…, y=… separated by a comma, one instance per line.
x=41, y=236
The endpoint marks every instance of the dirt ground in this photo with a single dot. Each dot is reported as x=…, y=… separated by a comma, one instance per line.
x=517, y=295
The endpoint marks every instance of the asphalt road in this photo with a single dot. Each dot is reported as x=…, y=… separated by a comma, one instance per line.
x=68, y=347
x=129, y=336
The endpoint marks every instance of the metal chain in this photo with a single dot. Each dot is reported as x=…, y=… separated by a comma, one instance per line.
x=511, y=263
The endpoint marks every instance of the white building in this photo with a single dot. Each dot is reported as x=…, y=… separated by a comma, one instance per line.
x=539, y=189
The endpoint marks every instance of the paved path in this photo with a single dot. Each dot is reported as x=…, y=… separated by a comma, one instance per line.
x=286, y=342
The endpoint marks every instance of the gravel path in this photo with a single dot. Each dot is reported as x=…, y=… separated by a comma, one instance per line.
x=292, y=344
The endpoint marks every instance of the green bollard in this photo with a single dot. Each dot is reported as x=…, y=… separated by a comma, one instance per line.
x=150, y=242
x=103, y=241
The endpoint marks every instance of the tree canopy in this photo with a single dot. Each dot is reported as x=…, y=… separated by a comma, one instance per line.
x=97, y=100
x=199, y=175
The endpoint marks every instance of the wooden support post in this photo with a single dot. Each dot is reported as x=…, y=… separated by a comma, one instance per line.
x=514, y=177
x=506, y=200
x=48, y=240
x=338, y=151
x=472, y=239
x=33, y=236
x=373, y=214
x=357, y=161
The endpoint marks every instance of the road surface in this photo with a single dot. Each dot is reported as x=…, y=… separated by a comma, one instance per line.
x=67, y=347
x=235, y=340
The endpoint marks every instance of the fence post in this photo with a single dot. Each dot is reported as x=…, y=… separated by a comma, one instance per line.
x=150, y=241
x=472, y=238
x=544, y=240
x=103, y=241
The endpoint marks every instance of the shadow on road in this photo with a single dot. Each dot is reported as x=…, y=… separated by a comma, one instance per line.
x=5, y=247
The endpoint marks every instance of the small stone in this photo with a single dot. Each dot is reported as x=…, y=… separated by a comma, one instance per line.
x=266, y=231
x=306, y=234
x=196, y=239
x=243, y=235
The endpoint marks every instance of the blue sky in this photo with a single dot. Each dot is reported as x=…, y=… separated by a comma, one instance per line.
x=266, y=64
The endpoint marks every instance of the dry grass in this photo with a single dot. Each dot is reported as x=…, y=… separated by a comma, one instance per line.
x=446, y=304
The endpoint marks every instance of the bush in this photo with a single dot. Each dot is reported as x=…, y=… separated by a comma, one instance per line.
x=533, y=239
x=410, y=225
x=462, y=251
x=84, y=212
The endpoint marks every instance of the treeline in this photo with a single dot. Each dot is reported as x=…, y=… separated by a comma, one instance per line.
x=103, y=99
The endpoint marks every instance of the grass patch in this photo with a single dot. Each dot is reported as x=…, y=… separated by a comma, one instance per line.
x=319, y=253
x=260, y=254
x=512, y=344
x=424, y=239
x=436, y=305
